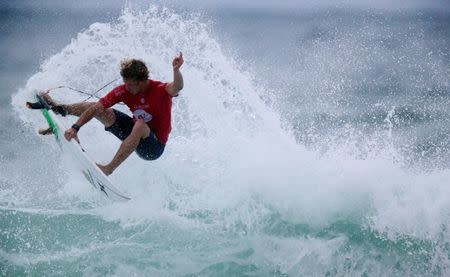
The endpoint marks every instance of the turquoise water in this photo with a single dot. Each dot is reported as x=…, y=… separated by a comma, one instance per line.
x=305, y=143
x=41, y=243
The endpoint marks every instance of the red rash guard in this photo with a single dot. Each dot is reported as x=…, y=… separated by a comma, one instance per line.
x=154, y=106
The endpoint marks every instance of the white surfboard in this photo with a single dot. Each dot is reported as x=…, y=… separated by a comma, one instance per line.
x=89, y=169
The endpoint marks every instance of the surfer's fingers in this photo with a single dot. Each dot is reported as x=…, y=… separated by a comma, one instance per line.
x=68, y=135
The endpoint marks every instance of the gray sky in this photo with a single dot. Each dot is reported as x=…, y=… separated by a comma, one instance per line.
x=299, y=4
x=443, y=5
x=289, y=5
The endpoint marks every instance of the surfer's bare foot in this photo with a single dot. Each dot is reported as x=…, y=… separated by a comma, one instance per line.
x=105, y=169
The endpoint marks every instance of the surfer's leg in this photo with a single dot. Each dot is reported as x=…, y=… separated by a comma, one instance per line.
x=106, y=117
x=77, y=109
x=122, y=125
x=140, y=130
x=73, y=109
x=150, y=148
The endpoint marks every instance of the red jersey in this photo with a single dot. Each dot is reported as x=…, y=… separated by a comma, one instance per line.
x=153, y=105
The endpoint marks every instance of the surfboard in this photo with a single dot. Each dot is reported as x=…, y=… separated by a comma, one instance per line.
x=88, y=168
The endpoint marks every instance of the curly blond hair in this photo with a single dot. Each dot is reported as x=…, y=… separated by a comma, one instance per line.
x=133, y=69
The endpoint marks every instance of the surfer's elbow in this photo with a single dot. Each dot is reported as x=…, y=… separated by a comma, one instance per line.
x=174, y=88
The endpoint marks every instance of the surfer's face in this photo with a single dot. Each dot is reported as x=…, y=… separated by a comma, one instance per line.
x=134, y=86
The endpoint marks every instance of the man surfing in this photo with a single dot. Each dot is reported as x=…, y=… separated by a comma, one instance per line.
x=150, y=101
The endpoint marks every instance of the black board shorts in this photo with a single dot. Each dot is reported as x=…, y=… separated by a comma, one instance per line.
x=149, y=148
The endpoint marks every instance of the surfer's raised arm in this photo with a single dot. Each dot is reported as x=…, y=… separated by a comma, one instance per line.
x=177, y=84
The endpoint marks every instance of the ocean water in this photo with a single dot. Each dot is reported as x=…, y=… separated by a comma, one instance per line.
x=308, y=141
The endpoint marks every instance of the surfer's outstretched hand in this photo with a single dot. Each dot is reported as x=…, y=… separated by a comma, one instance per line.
x=71, y=133
x=178, y=61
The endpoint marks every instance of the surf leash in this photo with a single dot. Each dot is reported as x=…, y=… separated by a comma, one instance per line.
x=90, y=95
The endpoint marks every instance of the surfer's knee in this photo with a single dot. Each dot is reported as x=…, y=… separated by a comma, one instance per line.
x=141, y=128
x=105, y=116
x=110, y=116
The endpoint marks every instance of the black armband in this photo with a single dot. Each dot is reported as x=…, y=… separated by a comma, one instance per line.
x=76, y=127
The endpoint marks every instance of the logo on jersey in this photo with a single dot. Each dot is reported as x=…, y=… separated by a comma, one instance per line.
x=141, y=114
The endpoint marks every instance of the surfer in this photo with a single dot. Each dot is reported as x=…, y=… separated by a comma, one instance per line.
x=149, y=100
